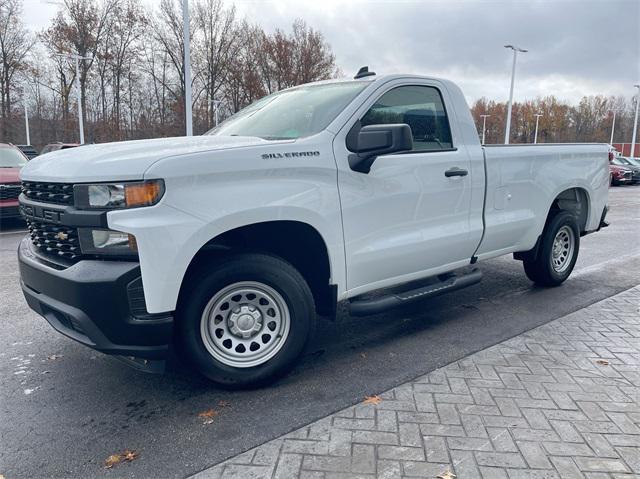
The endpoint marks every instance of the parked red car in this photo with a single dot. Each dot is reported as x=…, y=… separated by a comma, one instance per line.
x=620, y=175
x=11, y=161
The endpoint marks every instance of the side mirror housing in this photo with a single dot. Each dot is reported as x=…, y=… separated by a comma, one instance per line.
x=369, y=142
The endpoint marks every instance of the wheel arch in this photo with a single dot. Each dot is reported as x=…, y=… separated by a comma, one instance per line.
x=574, y=199
x=577, y=201
x=295, y=241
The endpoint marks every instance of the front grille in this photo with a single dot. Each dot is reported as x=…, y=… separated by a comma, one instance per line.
x=55, y=240
x=9, y=192
x=58, y=193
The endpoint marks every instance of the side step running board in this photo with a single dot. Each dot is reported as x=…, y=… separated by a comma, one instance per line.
x=364, y=307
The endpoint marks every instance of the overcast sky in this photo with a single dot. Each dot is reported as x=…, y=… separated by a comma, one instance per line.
x=576, y=47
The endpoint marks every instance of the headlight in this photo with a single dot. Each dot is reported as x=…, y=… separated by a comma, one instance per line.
x=118, y=195
x=107, y=242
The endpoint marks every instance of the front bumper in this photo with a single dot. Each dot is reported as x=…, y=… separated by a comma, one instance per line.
x=96, y=303
x=622, y=181
x=9, y=209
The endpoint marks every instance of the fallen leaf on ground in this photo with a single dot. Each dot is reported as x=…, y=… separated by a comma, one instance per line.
x=372, y=400
x=208, y=416
x=208, y=413
x=447, y=475
x=53, y=357
x=603, y=362
x=223, y=403
x=363, y=355
x=112, y=461
x=116, y=459
x=130, y=455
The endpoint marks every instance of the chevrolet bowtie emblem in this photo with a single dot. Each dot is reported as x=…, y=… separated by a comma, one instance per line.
x=61, y=236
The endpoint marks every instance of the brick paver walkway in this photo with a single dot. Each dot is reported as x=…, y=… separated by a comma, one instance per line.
x=560, y=401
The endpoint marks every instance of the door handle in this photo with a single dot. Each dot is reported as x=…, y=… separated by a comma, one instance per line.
x=455, y=171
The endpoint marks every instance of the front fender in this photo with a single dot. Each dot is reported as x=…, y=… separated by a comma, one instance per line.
x=168, y=239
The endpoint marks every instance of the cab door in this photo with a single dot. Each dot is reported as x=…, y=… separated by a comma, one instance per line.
x=409, y=216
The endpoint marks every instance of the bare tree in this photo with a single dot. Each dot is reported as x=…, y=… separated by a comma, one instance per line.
x=15, y=44
x=123, y=50
x=168, y=33
x=313, y=58
x=220, y=44
x=78, y=29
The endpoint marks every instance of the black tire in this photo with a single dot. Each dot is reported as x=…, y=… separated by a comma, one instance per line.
x=268, y=270
x=539, y=268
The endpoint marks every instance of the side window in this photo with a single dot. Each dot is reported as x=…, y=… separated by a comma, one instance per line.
x=421, y=108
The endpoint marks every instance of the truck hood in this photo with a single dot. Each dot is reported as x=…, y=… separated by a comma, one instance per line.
x=9, y=175
x=125, y=160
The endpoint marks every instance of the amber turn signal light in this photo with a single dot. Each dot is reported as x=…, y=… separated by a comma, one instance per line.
x=143, y=194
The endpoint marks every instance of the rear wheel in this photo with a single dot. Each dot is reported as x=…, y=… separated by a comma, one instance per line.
x=557, y=253
x=246, y=320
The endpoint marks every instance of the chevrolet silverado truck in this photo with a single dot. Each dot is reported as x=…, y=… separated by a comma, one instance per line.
x=227, y=247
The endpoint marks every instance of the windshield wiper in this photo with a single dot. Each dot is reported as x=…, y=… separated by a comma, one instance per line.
x=273, y=138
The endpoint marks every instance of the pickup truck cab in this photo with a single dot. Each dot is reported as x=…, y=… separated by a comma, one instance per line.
x=374, y=191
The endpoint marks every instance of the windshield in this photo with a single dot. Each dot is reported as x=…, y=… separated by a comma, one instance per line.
x=291, y=114
x=620, y=161
x=11, y=158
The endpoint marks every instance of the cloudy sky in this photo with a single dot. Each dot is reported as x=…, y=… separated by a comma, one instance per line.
x=576, y=47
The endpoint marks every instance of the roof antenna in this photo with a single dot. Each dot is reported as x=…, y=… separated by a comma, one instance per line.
x=363, y=72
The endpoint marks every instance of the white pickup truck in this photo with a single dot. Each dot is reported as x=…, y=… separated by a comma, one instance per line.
x=374, y=191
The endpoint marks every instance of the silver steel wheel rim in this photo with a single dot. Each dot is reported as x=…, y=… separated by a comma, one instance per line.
x=562, y=250
x=245, y=324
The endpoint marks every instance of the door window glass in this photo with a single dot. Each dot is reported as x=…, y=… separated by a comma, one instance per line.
x=421, y=108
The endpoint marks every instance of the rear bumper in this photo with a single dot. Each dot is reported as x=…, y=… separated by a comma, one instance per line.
x=96, y=303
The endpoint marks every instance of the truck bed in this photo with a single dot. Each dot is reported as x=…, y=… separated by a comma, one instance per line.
x=523, y=180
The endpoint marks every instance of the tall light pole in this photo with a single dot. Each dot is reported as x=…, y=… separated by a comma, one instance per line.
x=216, y=104
x=513, y=77
x=535, y=136
x=26, y=114
x=484, y=125
x=77, y=59
x=635, y=123
x=613, y=125
x=187, y=68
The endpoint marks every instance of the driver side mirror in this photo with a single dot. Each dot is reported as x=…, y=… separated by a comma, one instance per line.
x=369, y=142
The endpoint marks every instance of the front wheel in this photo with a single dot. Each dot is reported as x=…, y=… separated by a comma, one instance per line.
x=246, y=319
x=557, y=253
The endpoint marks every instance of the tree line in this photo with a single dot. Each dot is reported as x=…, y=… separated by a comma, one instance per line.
x=590, y=120
x=132, y=76
x=132, y=79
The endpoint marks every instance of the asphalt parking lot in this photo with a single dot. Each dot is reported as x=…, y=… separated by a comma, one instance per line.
x=64, y=408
